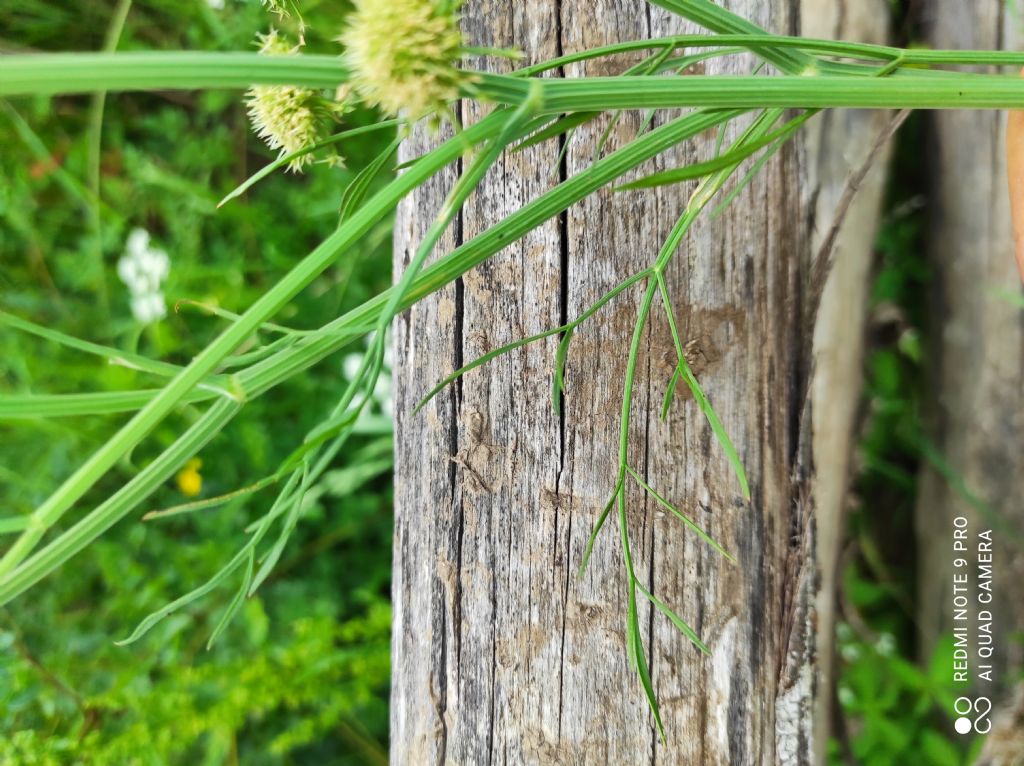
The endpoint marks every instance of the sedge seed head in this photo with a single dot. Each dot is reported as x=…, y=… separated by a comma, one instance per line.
x=288, y=118
x=404, y=54
x=276, y=7
x=273, y=43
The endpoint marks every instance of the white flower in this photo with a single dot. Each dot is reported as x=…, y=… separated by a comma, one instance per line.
x=149, y=308
x=846, y=696
x=217, y=5
x=143, y=269
x=886, y=644
x=350, y=365
x=138, y=241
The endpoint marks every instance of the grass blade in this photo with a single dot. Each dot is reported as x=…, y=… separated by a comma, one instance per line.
x=13, y=524
x=568, y=327
x=634, y=643
x=683, y=370
x=149, y=622
x=558, y=375
x=23, y=406
x=356, y=191
x=619, y=488
x=290, y=522
x=730, y=158
x=118, y=505
x=680, y=624
x=211, y=502
x=638, y=657
x=236, y=602
x=562, y=125
x=482, y=360
x=114, y=355
x=682, y=516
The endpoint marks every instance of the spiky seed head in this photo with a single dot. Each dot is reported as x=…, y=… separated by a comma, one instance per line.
x=273, y=43
x=288, y=118
x=276, y=7
x=404, y=54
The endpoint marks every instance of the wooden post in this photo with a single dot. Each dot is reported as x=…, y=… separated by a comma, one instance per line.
x=501, y=655
x=838, y=146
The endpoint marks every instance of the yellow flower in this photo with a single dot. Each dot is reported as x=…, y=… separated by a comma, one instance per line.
x=189, y=480
x=404, y=54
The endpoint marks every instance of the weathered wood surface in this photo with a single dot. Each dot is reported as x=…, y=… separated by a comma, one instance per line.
x=976, y=358
x=838, y=146
x=501, y=655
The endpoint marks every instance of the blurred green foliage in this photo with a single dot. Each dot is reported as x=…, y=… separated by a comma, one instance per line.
x=893, y=707
x=301, y=676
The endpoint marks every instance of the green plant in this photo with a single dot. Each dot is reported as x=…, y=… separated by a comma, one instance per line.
x=225, y=381
x=891, y=705
x=67, y=694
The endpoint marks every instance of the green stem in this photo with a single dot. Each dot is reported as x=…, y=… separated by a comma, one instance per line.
x=52, y=73
x=680, y=228
x=963, y=91
x=207, y=360
x=65, y=73
x=94, y=148
x=113, y=508
x=763, y=41
x=711, y=16
x=634, y=351
x=568, y=328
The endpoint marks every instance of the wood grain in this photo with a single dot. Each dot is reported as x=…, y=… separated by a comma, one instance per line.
x=839, y=144
x=501, y=655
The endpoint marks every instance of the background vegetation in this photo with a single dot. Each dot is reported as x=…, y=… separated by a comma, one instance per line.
x=302, y=676
x=892, y=704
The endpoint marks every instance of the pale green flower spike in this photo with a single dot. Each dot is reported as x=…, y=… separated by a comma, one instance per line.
x=288, y=118
x=403, y=55
x=275, y=7
x=273, y=43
